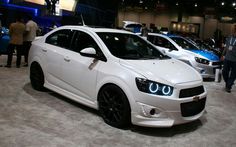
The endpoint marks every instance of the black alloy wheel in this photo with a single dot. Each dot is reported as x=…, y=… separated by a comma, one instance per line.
x=37, y=77
x=114, y=106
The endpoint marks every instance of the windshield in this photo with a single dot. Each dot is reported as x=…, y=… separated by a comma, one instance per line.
x=184, y=43
x=129, y=46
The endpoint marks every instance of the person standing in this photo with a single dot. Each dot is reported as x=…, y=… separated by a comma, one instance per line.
x=54, y=6
x=229, y=65
x=29, y=36
x=49, y=5
x=16, y=31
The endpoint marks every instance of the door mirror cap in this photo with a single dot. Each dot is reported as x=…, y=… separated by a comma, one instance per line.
x=91, y=52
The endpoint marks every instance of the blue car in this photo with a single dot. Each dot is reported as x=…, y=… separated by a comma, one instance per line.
x=178, y=47
x=4, y=40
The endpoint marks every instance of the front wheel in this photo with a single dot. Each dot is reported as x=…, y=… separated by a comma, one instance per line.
x=36, y=77
x=114, y=106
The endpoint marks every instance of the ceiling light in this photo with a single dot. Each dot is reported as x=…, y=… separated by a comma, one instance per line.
x=177, y=4
x=140, y=1
x=222, y=3
x=234, y=4
x=195, y=5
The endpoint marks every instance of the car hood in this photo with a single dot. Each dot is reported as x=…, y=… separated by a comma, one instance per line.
x=207, y=54
x=168, y=71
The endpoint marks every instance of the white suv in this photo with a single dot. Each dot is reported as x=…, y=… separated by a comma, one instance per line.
x=178, y=47
x=117, y=72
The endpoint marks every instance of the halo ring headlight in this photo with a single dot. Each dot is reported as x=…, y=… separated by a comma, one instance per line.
x=153, y=88
x=166, y=90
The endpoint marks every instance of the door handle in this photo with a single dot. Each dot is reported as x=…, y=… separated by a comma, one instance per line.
x=44, y=50
x=67, y=59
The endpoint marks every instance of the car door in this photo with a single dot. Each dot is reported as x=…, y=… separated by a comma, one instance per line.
x=56, y=45
x=79, y=72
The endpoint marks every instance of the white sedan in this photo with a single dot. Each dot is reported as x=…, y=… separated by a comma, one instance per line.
x=117, y=72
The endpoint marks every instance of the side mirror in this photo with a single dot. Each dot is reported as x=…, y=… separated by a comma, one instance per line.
x=88, y=52
x=91, y=52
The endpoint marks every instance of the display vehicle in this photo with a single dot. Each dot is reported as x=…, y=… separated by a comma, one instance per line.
x=4, y=40
x=205, y=62
x=118, y=73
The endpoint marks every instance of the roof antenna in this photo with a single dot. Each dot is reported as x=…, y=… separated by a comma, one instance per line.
x=82, y=19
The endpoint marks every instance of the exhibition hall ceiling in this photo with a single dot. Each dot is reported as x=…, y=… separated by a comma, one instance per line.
x=204, y=7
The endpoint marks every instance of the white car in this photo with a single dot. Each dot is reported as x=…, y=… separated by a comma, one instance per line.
x=117, y=72
x=205, y=62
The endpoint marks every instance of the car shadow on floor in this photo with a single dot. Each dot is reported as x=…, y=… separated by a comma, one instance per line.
x=208, y=79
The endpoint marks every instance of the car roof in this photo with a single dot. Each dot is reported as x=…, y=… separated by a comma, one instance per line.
x=167, y=35
x=93, y=29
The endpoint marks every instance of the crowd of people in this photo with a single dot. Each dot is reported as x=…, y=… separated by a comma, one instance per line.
x=21, y=35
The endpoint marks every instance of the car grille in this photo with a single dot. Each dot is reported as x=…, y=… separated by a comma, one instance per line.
x=216, y=63
x=191, y=92
x=192, y=108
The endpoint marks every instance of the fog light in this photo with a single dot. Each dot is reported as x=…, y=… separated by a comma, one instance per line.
x=152, y=111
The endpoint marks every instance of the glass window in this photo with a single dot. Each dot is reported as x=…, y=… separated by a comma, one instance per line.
x=61, y=38
x=162, y=42
x=184, y=43
x=83, y=40
x=129, y=46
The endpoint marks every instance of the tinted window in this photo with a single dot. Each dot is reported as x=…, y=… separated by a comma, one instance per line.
x=160, y=41
x=61, y=38
x=82, y=41
x=184, y=43
x=129, y=46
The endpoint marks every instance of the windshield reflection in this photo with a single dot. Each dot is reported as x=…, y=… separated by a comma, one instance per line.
x=129, y=46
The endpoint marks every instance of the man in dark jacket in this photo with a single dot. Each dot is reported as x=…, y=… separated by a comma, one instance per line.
x=229, y=68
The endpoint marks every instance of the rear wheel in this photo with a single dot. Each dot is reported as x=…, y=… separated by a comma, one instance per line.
x=114, y=106
x=36, y=77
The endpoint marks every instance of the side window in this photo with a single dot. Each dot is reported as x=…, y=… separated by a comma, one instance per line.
x=61, y=38
x=83, y=40
x=160, y=41
x=150, y=38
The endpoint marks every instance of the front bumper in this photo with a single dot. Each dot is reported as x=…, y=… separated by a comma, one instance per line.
x=207, y=71
x=155, y=111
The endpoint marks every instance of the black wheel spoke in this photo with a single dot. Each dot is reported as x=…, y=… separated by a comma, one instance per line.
x=114, y=107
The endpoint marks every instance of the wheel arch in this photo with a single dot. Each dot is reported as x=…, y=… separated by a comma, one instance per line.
x=122, y=85
x=37, y=60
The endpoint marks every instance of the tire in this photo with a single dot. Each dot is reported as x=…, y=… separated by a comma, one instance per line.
x=114, y=106
x=37, y=77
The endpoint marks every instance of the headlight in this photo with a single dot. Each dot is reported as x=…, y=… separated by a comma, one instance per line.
x=151, y=87
x=201, y=60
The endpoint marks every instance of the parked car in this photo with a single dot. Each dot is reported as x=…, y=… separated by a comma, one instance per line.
x=117, y=72
x=4, y=40
x=132, y=26
x=204, y=46
x=178, y=47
